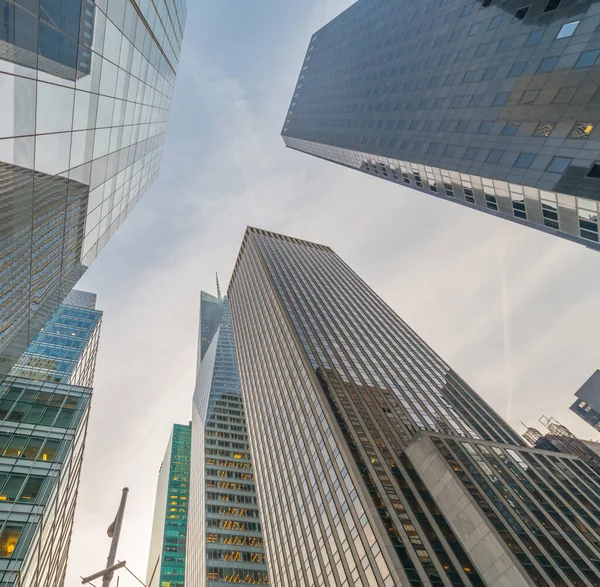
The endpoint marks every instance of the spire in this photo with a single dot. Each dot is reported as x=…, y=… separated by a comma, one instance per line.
x=218, y=288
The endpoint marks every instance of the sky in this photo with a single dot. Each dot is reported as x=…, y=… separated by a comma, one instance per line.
x=512, y=310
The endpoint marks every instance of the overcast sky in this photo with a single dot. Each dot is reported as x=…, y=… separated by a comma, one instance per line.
x=513, y=311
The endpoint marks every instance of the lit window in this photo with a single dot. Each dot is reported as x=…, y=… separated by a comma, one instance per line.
x=544, y=129
x=581, y=130
x=9, y=538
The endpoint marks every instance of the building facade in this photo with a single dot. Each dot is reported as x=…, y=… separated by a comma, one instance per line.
x=493, y=105
x=225, y=543
x=44, y=410
x=86, y=89
x=166, y=561
x=587, y=405
x=375, y=463
x=560, y=439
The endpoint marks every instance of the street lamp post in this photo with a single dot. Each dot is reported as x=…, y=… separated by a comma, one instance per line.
x=114, y=532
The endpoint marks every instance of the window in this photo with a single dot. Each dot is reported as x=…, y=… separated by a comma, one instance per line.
x=469, y=195
x=552, y=5
x=517, y=69
x=519, y=209
x=490, y=72
x=501, y=98
x=587, y=58
x=529, y=97
x=494, y=156
x=474, y=28
x=524, y=160
x=49, y=451
x=9, y=538
x=462, y=126
x=510, y=128
x=490, y=202
x=15, y=446
x=559, y=164
x=588, y=229
x=476, y=99
x=550, y=215
x=505, y=44
x=495, y=22
x=594, y=170
x=567, y=29
x=565, y=95
x=4, y=438
x=521, y=13
x=449, y=189
x=544, y=129
x=547, y=64
x=471, y=153
x=581, y=130
x=485, y=126
x=12, y=488
x=33, y=448
x=31, y=489
x=534, y=37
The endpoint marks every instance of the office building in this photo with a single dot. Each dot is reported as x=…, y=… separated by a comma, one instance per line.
x=166, y=561
x=493, y=105
x=44, y=410
x=587, y=405
x=375, y=463
x=85, y=89
x=560, y=439
x=225, y=542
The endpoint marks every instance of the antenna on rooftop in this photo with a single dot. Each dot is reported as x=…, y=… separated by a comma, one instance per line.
x=218, y=287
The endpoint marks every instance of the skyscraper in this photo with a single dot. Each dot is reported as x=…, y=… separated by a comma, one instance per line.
x=494, y=105
x=85, y=89
x=44, y=410
x=375, y=463
x=166, y=561
x=587, y=405
x=224, y=533
x=561, y=439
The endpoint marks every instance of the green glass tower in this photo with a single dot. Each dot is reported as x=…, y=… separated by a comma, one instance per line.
x=166, y=562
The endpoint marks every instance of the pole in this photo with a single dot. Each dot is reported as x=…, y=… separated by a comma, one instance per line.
x=112, y=553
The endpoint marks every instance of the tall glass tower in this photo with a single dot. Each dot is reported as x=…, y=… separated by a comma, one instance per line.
x=44, y=410
x=225, y=543
x=166, y=561
x=85, y=88
x=493, y=105
x=376, y=464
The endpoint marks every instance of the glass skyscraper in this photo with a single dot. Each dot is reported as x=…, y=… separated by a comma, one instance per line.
x=166, y=561
x=375, y=463
x=494, y=105
x=85, y=88
x=44, y=410
x=225, y=543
